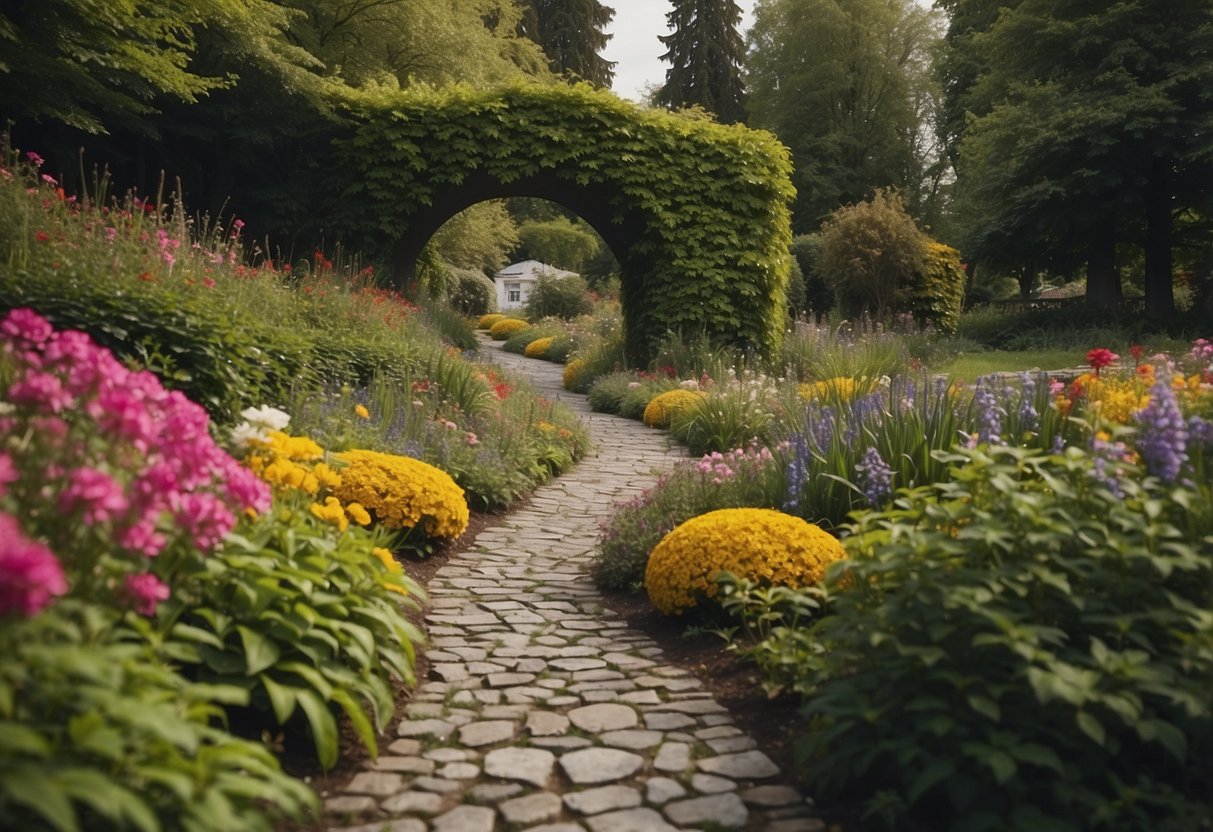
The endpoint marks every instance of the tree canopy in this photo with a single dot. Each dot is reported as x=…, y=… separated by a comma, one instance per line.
x=705, y=52
x=841, y=82
x=571, y=34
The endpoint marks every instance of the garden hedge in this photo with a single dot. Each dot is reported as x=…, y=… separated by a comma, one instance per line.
x=696, y=212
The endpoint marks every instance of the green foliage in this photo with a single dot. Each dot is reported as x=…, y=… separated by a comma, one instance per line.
x=937, y=290
x=731, y=417
x=523, y=338
x=703, y=207
x=813, y=352
x=473, y=294
x=818, y=297
x=479, y=238
x=559, y=297
x=98, y=735
x=571, y=34
x=1042, y=646
x=215, y=353
x=846, y=85
x=870, y=253
x=559, y=242
x=300, y=620
x=448, y=324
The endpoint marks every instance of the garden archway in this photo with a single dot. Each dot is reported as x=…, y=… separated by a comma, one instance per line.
x=696, y=212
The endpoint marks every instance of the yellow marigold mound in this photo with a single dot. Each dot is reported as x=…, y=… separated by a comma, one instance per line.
x=662, y=409
x=572, y=372
x=538, y=348
x=766, y=546
x=487, y=321
x=404, y=493
x=505, y=328
x=838, y=390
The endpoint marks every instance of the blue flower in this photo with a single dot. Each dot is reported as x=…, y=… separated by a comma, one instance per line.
x=1162, y=433
x=875, y=477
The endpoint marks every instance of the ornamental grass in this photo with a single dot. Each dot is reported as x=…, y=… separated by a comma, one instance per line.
x=761, y=545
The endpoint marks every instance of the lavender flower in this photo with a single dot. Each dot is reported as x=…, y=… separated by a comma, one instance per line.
x=1029, y=419
x=1104, y=469
x=875, y=477
x=1200, y=432
x=798, y=472
x=989, y=413
x=1163, y=435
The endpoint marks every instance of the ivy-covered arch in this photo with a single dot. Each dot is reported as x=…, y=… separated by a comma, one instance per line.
x=696, y=212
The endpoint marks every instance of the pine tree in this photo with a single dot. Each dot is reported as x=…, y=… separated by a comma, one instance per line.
x=571, y=34
x=706, y=52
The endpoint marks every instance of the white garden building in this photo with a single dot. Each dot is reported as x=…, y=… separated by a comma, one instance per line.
x=515, y=282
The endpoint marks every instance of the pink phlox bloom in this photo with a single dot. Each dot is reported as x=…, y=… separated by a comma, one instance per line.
x=41, y=391
x=143, y=537
x=110, y=233
x=472, y=438
x=204, y=517
x=246, y=489
x=98, y=495
x=30, y=574
x=146, y=591
x=25, y=325
x=34, y=158
x=121, y=414
x=50, y=180
x=8, y=473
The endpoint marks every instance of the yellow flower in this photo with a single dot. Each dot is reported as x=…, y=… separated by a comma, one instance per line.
x=331, y=512
x=502, y=330
x=764, y=545
x=361, y=412
x=358, y=514
x=663, y=408
x=404, y=493
x=396, y=588
x=538, y=347
x=385, y=557
x=572, y=372
x=326, y=475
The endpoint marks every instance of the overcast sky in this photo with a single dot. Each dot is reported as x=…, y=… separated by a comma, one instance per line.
x=635, y=48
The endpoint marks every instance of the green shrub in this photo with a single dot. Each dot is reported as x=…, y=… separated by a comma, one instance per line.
x=517, y=342
x=1018, y=649
x=818, y=298
x=98, y=735
x=559, y=297
x=606, y=392
x=735, y=415
x=636, y=399
x=602, y=357
x=448, y=324
x=473, y=294
x=937, y=291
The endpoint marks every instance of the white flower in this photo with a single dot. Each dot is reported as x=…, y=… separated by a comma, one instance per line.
x=247, y=435
x=689, y=384
x=269, y=418
x=633, y=385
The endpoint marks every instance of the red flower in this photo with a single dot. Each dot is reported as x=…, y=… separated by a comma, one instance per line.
x=1137, y=351
x=41, y=236
x=1100, y=358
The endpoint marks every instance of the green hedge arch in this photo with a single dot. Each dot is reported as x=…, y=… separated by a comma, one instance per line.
x=696, y=212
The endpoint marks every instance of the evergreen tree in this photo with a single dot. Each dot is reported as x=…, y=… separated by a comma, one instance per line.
x=571, y=34
x=706, y=52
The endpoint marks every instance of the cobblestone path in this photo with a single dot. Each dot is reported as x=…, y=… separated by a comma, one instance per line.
x=543, y=711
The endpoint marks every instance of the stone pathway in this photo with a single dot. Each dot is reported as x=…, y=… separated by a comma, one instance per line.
x=543, y=711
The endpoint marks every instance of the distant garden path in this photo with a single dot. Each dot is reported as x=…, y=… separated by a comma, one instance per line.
x=543, y=710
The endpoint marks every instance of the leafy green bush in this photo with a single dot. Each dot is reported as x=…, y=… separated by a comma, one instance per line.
x=603, y=356
x=1021, y=648
x=606, y=393
x=301, y=618
x=211, y=351
x=473, y=294
x=98, y=735
x=937, y=291
x=559, y=297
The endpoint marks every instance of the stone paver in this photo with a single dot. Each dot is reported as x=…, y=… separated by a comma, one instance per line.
x=543, y=709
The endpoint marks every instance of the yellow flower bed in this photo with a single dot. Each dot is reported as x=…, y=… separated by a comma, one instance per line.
x=538, y=348
x=404, y=493
x=487, y=321
x=505, y=328
x=763, y=545
x=662, y=409
x=572, y=371
x=293, y=463
x=837, y=390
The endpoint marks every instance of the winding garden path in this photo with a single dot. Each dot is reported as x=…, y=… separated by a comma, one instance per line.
x=543, y=711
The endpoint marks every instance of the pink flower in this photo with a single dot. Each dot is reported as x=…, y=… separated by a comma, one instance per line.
x=8, y=473
x=34, y=158
x=110, y=233
x=146, y=590
x=41, y=391
x=26, y=325
x=30, y=574
x=472, y=438
x=204, y=517
x=96, y=493
x=143, y=537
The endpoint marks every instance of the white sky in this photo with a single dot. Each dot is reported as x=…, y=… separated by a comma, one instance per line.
x=635, y=47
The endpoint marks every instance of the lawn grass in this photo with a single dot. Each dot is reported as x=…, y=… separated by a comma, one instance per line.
x=972, y=365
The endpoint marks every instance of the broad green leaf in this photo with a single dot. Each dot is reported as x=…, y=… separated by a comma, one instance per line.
x=259, y=652
x=324, y=727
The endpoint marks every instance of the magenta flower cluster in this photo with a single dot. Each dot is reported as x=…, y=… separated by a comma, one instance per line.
x=102, y=466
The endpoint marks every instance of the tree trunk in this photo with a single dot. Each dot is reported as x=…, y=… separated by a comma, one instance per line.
x=1027, y=279
x=1103, y=278
x=1160, y=293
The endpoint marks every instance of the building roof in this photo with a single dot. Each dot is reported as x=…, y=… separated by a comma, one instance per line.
x=531, y=270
